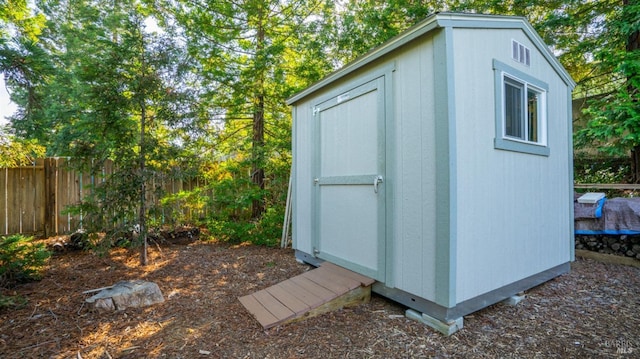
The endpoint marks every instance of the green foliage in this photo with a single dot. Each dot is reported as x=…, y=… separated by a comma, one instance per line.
x=20, y=260
x=206, y=94
x=269, y=228
x=610, y=75
x=230, y=231
x=98, y=86
x=11, y=301
x=16, y=152
x=110, y=207
x=230, y=197
x=193, y=202
x=16, y=15
x=601, y=170
x=363, y=25
x=233, y=195
x=265, y=231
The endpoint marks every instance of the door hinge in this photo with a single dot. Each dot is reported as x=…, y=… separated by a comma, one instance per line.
x=316, y=110
x=316, y=251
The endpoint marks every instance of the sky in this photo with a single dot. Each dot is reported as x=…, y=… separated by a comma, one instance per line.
x=7, y=108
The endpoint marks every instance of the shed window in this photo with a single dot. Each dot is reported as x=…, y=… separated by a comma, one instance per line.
x=521, y=112
x=522, y=116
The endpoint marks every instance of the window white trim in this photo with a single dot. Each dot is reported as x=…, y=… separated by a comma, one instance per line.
x=525, y=142
x=541, y=119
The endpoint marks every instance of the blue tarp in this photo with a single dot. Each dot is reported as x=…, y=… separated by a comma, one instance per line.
x=615, y=216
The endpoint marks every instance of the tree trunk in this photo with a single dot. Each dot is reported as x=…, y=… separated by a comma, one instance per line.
x=257, y=172
x=142, y=213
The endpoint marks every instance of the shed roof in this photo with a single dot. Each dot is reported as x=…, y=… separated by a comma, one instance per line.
x=435, y=21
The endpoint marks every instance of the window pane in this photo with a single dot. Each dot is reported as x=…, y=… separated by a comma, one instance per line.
x=532, y=110
x=513, y=113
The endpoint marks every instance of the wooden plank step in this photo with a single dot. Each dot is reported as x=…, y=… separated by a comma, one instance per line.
x=310, y=299
x=323, y=278
x=317, y=291
x=254, y=307
x=364, y=280
x=339, y=278
x=290, y=300
x=273, y=305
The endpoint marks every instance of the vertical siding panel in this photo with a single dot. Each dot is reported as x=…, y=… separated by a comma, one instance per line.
x=302, y=200
x=428, y=175
x=413, y=256
x=409, y=245
x=509, y=202
x=408, y=183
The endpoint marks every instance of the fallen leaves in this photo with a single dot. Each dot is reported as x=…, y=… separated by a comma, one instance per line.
x=591, y=311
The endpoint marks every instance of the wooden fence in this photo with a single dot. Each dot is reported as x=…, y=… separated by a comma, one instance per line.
x=33, y=198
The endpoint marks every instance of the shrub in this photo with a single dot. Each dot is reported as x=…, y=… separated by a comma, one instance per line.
x=231, y=231
x=20, y=260
x=266, y=231
x=601, y=170
x=269, y=228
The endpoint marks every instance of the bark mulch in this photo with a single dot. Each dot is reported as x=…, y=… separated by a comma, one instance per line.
x=591, y=312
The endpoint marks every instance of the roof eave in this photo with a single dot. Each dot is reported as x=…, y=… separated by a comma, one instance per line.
x=440, y=20
x=412, y=33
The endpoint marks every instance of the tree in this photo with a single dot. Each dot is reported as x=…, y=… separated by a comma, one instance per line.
x=16, y=17
x=246, y=53
x=19, y=31
x=362, y=25
x=614, y=110
x=16, y=152
x=107, y=90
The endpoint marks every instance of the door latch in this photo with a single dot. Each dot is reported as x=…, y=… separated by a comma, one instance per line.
x=377, y=180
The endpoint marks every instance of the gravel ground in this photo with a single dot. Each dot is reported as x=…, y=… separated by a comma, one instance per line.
x=591, y=312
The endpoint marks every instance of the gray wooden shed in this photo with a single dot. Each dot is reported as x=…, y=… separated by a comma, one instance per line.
x=439, y=164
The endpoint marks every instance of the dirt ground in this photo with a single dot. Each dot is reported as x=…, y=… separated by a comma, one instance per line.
x=594, y=311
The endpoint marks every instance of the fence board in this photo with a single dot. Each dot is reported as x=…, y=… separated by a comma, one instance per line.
x=4, y=223
x=38, y=196
x=33, y=198
x=14, y=208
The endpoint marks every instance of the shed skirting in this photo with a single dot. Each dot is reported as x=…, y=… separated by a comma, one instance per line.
x=471, y=305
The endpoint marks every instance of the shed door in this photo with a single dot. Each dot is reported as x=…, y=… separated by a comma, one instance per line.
x=349, y=179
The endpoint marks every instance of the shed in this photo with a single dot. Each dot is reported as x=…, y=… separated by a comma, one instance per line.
x=439, y=164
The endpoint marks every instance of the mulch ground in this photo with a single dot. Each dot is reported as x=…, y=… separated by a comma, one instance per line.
x=591, y=312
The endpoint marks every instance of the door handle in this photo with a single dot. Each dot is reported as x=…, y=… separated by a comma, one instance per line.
x=376, y=181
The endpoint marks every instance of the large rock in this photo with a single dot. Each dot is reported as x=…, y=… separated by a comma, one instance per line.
x=127, y=294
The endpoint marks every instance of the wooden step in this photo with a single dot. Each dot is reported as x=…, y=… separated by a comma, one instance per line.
x=317, y=291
